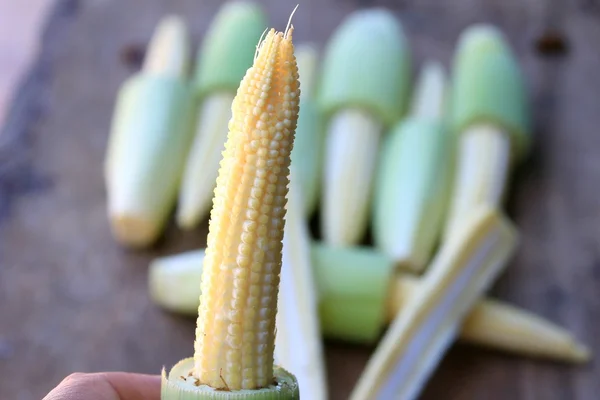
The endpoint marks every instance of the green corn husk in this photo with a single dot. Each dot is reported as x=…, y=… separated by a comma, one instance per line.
x=489, y=87
x=367, y=65
x=152, y=132
x=352, y=303
x=229, y=46
x=411, y=192
x=180, y=385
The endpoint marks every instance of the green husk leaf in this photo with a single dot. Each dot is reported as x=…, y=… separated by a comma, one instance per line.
x=229, y=46
x=367, y=65
x=180, y=385
x=489, y=86
x=150, y=135
x=353, y=298
x=411, y=192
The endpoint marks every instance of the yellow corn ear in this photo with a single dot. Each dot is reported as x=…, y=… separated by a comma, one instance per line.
x=235, y=333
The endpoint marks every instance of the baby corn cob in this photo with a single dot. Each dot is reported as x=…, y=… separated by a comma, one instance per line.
x=235, y=332
x=490, y=118
x=149, y=138
x=498, y=325
x=356, y=308
x=307, y=156
x=363, y=90
x=298, y=344
x=223, y=59
x=412, y=179
x=416, y=340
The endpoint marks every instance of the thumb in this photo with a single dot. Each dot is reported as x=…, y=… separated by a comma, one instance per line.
x=107, y=386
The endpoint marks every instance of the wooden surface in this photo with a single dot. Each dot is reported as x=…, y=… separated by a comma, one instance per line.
x=72, y=300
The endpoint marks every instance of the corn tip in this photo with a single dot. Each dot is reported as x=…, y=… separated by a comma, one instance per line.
x=168, y=51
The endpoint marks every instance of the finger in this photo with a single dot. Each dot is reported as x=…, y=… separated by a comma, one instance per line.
x=107, y=386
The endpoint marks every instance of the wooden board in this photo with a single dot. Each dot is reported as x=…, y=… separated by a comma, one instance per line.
x=72, y=300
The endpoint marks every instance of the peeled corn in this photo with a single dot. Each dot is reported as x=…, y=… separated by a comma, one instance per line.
x=149, y=138
x=223, y=59
x=415, y=342
x=363, y=90
x=356, y=308
x=412, y=177
x=235, y=334
x=489, y=118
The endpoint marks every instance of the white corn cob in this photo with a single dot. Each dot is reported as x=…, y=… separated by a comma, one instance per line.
x=149, y=139
x=352, y=145
x=431, y=93
x=225, y=56
x=196, y=194
x=362, y=93
x=417, y=339
x=412, y=178
x=489, y=118
x=357, y=312
x=298, y=344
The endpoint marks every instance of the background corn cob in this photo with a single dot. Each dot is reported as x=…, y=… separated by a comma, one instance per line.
x=223, y=59
x=363, y=90
x=298, y=344
x=490, y=119
x=412, y=177
x=307, y=155
x=465, y=267
x=174, y=281
x=149, y=138
x=498, y=325
x=356, y=308
x=235, y=333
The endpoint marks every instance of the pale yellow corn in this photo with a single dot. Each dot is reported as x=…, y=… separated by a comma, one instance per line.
x=236, y=323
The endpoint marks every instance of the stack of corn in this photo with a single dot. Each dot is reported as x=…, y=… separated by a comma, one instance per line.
x=432, y=175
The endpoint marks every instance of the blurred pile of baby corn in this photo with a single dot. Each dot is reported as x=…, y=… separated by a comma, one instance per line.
x=424, y=163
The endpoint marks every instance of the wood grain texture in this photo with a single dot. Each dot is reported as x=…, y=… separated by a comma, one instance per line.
x=72, y=300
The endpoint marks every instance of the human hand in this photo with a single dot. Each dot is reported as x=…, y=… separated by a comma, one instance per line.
x=107, y=386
